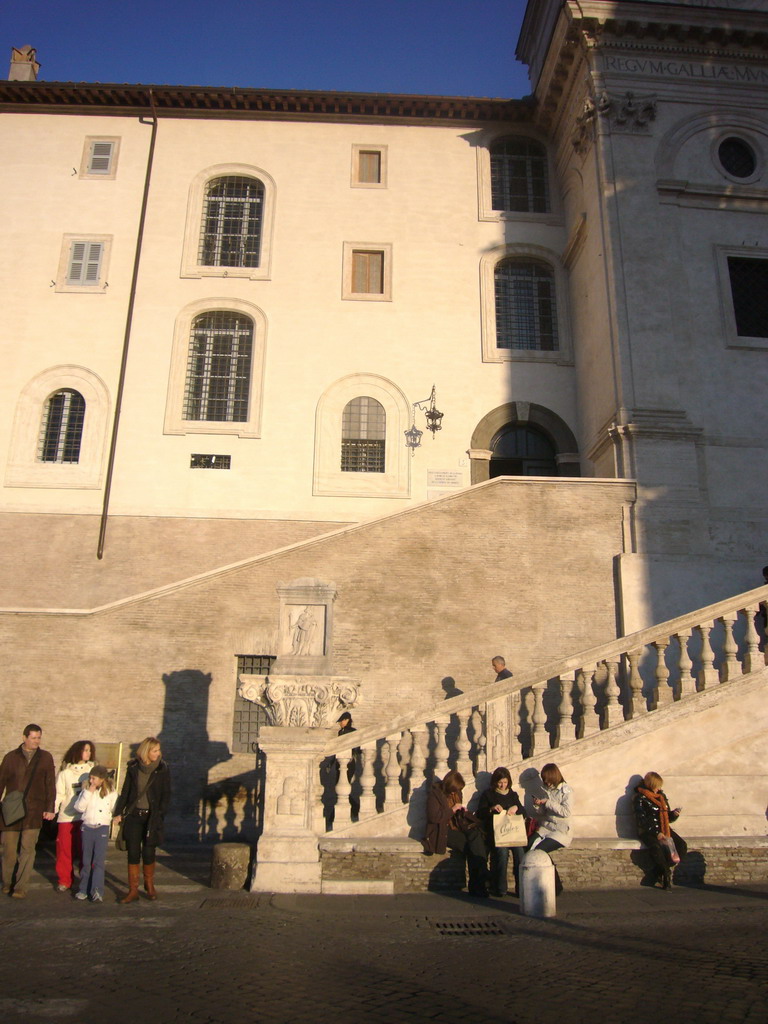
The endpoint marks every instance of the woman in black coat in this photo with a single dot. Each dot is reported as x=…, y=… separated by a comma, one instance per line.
x=500, y=799
x=653, y=824
x=143, y=803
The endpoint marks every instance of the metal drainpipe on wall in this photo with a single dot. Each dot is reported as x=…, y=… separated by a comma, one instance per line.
x=128, y=325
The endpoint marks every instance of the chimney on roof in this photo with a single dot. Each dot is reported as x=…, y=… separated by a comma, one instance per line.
x=24, y=67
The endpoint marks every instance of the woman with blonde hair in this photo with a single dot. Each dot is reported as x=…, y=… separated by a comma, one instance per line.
x=653, y=825
x=141, y=807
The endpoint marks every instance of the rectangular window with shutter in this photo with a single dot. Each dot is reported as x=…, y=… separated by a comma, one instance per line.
x=367, y=271
x=99, y=158
x=369, y=166
x=83, y=263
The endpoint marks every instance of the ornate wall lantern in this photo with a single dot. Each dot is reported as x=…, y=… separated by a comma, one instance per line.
x=433, y=417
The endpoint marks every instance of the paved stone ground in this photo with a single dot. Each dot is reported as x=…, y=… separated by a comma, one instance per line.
x=213, y=957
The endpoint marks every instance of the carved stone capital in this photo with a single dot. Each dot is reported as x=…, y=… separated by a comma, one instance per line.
x=300, y=701
x=630, y=113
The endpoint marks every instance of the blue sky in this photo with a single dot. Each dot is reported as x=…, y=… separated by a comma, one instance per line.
x=438, y=47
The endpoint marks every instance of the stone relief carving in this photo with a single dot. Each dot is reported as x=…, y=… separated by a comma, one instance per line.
x=298, y=700
x=291, y=802
x=303, y=628
x=631, y=113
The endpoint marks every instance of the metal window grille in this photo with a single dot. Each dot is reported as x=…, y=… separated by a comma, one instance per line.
x=749, y=290
x=369, y=167
x=363, y=436
x=232, y=218
x=61, y=430
x=85, y=263
x=210, y=461
x=249, y=717
x=526, y=310
x=737, y=157
x=519, y=176
x=100, y=160
x=367, y=272
x=522, y=451
x=219, y=368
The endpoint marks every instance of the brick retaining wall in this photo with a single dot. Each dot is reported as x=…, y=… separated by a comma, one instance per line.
x=592, y=866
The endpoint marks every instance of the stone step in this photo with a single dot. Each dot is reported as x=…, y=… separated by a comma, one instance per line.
x=586, y=864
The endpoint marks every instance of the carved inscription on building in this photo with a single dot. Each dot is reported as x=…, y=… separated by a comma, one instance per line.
x=687, y=69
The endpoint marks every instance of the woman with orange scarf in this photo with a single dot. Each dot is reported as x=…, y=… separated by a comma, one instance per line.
x=653, y=825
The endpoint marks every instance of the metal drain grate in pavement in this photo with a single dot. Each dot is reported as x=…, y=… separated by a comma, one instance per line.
x=469, y=927
x=231, y=903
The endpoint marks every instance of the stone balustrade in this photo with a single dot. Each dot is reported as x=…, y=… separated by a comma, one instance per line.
x=563, y=703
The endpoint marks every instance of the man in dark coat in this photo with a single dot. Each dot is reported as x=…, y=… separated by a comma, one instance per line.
x=18, y=839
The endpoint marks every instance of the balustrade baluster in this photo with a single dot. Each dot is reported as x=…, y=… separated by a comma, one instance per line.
x=686, y=684
x=463, y=746
x=479, y=718
x=564, y=731
x=418, y=757
x=637, y=704
x=613, y=712
x=730, y=667
x=441, y=747
x=393, y=794
x=589, y=720
x=753, y=659
x=318, y=810
x=343, y=789
x=708, y=674
x=539, y=737
x=368, y=781
x=664, y=694
x=515, y=739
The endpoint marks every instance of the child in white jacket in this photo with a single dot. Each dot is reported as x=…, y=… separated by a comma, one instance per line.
x=96, y=804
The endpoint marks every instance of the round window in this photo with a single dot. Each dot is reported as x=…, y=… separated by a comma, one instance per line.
x=737, y=157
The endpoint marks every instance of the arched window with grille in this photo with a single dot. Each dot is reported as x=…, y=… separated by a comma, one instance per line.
x=61, y=430
x=519, y=176
x=219, y=367
x=233, y=213
x=363, y=436
x=526, y=306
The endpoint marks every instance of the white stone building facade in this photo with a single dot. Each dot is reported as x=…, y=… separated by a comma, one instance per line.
x=225, y=308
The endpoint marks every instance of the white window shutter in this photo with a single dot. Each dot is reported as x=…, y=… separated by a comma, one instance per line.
x=101, y=158
x=85, y=263
x=93, y=262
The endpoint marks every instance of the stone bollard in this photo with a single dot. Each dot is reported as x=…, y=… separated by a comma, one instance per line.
x=537, y=885
x=229, y=865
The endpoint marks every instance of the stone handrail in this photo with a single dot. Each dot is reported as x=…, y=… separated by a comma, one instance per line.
x=561, y=703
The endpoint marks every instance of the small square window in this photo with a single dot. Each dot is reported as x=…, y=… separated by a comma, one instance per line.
x=369, y=166
x=367, y=271
x=83, y=263
x=99, y=157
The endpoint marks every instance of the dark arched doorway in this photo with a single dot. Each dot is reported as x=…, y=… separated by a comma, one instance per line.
x=522, y=451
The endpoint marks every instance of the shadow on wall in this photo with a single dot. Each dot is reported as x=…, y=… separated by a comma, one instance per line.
x=189, y=752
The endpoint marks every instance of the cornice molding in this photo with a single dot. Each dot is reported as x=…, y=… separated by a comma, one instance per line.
x=253, y=104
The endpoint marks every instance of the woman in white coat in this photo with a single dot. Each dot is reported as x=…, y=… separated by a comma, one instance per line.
x=73, y=775
x=553, y=812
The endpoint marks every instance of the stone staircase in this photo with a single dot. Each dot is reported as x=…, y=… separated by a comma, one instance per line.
x=687, y=698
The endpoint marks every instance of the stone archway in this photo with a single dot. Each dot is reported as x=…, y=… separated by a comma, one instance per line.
x=522, y=414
